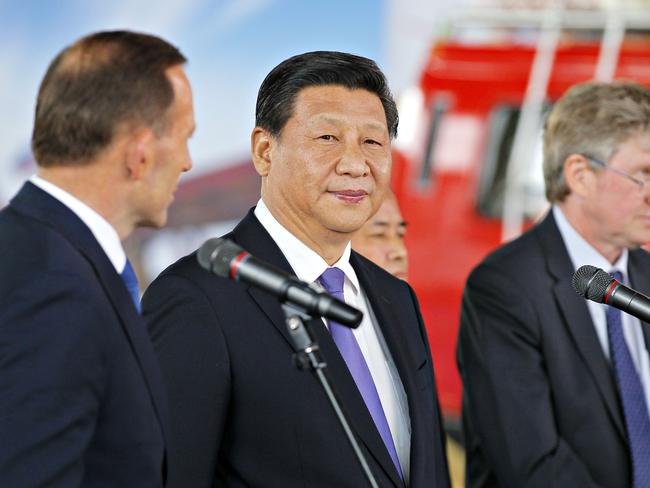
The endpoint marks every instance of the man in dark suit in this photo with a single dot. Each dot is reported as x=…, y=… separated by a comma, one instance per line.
x=81, y=396
x=556, y=388
x=241, y=413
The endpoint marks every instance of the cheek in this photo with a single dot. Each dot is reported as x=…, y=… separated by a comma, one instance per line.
x=381, y=165
x=379, y=249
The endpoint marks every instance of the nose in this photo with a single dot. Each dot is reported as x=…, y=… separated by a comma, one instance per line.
x=397, y=251
x=352, y=161
x=188, y=165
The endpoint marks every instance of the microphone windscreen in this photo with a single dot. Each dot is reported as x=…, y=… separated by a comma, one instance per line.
x=216, y=255
x=592, y=282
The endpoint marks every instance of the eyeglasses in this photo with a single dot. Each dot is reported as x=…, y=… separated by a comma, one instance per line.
x=641, y=183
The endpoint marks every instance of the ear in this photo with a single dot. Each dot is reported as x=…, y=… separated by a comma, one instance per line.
x=578, y=174
x=262, y=143
x=139, y=153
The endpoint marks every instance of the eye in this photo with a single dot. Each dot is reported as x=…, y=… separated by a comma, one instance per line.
x=373, y=142
x=327, y=137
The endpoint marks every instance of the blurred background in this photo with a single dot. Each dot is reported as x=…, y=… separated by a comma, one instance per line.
x=473, y=79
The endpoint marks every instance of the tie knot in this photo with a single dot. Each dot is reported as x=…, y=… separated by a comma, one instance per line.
x=617, y=275
x=332, y=280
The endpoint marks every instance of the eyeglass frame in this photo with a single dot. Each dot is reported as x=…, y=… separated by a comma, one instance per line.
x=640, y=183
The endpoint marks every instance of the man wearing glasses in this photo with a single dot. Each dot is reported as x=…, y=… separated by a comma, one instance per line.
x=556, y=389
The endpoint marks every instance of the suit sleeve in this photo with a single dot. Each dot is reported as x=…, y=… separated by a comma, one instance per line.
x=52, y=377
x=194, y=360
x=507, y=402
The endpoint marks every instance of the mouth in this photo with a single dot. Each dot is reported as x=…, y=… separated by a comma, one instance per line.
x=350, y=196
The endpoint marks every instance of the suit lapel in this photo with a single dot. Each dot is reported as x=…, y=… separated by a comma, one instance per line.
x=405, y=354
x=36, y=203
x=252, y=236
x=577, y=317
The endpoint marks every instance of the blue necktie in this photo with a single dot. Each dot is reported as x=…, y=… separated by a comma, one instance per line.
x=131, y=282
x=332, y=281
x=635, y=409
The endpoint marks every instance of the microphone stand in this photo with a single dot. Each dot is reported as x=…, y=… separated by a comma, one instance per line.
x=308, y=357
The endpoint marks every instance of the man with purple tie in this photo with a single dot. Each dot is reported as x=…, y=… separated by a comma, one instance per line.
x=81, y=396
x=241, y=413
x=556, y=389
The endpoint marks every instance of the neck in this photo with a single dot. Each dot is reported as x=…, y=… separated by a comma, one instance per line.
x=328, y=244
x=585, y=228
x=93, y=187
x=330, y=248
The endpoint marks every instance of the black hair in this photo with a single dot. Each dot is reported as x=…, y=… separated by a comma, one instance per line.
x=278, y=92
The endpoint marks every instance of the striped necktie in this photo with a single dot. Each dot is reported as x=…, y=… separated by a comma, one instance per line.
x=635, y=409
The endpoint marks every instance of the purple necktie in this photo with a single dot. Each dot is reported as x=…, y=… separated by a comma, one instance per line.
x=635, y=409
x=332, y=281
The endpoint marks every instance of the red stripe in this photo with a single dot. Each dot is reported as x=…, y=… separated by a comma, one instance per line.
x=235, y=264
x=612, y=285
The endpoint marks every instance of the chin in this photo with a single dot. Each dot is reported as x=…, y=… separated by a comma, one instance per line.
x=156, y=222
x=346, y=222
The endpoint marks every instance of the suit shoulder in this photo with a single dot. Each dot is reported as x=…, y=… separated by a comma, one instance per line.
x=187, y=273
x=517, y=252
x=510, y=261
x=642, y=256
x=29, y=247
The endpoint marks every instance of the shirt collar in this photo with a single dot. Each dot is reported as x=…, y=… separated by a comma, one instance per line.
x=581, y=252
x=104, y=232
x=305, y=262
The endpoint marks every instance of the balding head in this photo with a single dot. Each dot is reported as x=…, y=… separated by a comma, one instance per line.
x=99, y=84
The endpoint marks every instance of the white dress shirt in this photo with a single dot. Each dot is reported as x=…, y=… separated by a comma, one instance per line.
x=308, y=266
x=581, y=253
x=104, y=232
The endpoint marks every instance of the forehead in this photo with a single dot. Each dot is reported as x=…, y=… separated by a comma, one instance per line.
x=182, y=106
x=334, y=103
x=637, y=145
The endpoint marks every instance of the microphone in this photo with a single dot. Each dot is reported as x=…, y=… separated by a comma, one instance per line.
x=597, y=285
x=228, y=260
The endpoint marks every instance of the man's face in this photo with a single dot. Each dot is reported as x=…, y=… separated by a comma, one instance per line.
x=381, y=239
x=170, y=152
x=618, y=208
x=330, y=166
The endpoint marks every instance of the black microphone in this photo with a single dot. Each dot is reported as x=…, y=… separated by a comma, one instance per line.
x=597, y=285
x=226, y=259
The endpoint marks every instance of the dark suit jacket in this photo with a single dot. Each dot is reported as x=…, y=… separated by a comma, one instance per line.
x=243, y=415
x=81, y=397
x=540, y=403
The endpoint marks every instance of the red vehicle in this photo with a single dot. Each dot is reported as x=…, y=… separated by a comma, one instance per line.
x=452, y=183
